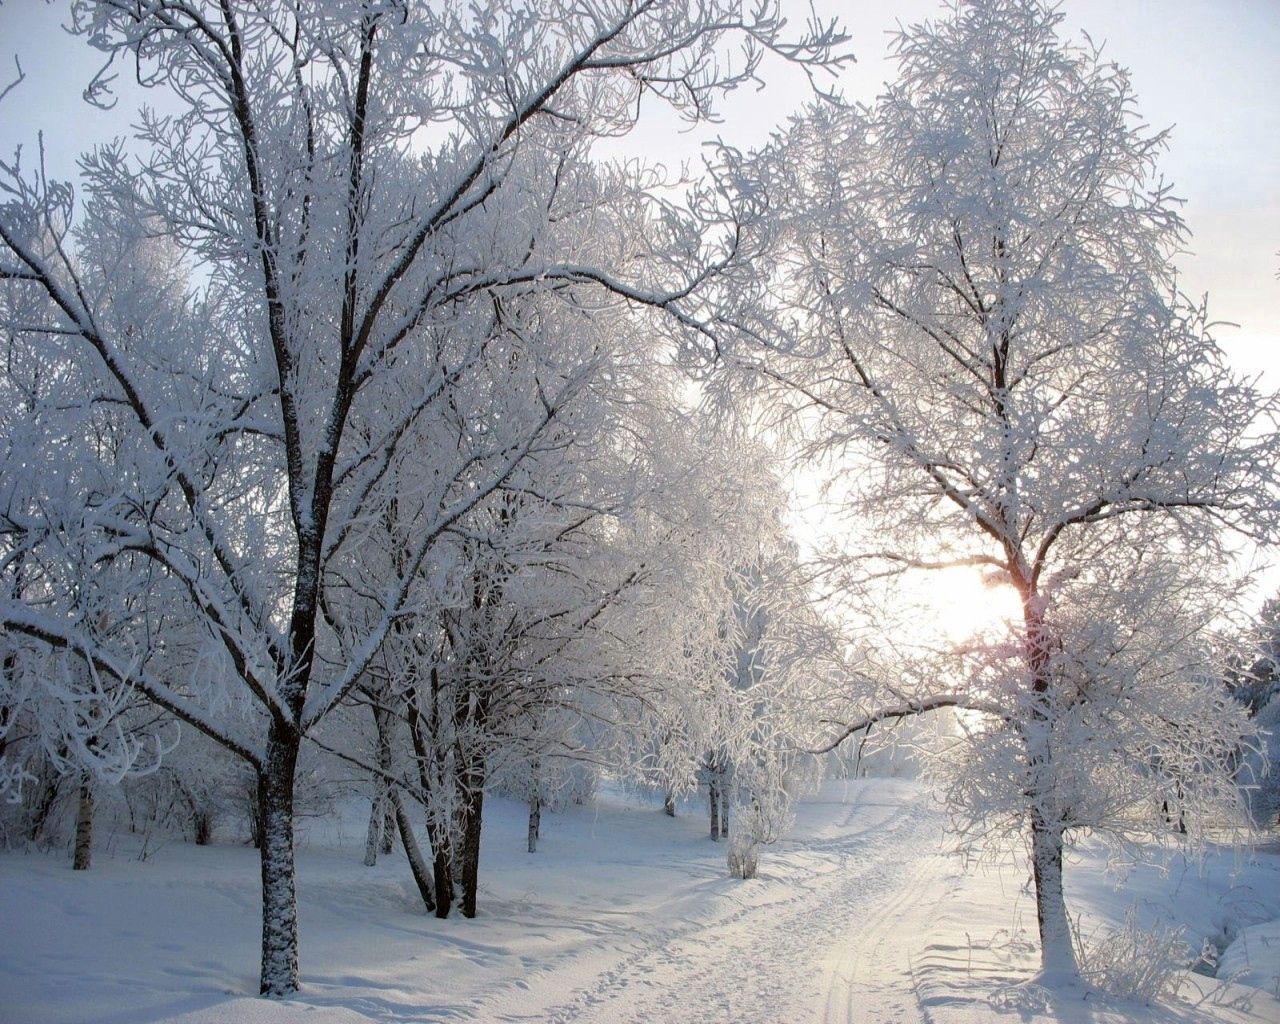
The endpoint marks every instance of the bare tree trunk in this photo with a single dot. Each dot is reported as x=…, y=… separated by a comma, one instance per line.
x=382, y=815
x=429, y=762
x=535, y=822
x=279, y=896
x=373, y=838
x=255, y=817
x=202, y=824
x=1057, y=952
x=84, y=827
x=473, y=817
x=669, y=804
x=723, y=790
x=535, y=806
x=48, y=796
x=417, y=865
x=442, y=870
x=1176, y=818
x=713, y=802
x=388, y=826
x=440, y=836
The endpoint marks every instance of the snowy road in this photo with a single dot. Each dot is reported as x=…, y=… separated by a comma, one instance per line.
x=870, y=873
x=864, y=918
x=886, y=905
x=624, y=917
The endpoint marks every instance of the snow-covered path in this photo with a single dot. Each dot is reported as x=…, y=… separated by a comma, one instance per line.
x=869, y=968
x=625, y=916
x=828, y=946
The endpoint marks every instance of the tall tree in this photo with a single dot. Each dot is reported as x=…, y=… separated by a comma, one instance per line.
x=981, y=324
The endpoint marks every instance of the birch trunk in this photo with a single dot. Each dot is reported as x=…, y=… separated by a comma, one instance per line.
x=535, y=823
x=417, y=864
x=83, y=855
x=279, y=897
x=1057, y=952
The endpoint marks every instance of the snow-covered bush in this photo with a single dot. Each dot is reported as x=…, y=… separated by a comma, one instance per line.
x=744, y=854
x=760, y=822
x=1131, y=962
x=1260, y=770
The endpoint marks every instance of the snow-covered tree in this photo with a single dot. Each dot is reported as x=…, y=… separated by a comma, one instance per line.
x=61, y=718
x=787, y=662
x=672, y=727
x=981, y=328
x=1252, y=678
x=357, y=192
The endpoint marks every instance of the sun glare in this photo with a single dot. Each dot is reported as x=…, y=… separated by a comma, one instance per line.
x=959, y=604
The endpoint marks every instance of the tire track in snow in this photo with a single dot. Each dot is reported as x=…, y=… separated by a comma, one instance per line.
x=788, y=959
x=871, y=982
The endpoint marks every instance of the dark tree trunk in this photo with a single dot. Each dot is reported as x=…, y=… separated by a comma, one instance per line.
x=1176, y=818
x=202, y=826
x=83, y=855
x=388, y=827
x=473, y=816
x=535, y=823
x=373, y=836
x=442, y=870
x=713, y=803
x=255, y=818
x=279, y=897
x=535, y=806
x=429, y=764
x=417, y=865
x=382, y=815
x=669, y=804
x=44, y=806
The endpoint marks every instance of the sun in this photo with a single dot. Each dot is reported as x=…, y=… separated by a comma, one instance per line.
x=959, y=604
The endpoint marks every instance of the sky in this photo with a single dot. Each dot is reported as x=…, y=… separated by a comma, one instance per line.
x=1209, y=69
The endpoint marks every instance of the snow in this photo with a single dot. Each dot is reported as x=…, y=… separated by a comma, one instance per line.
x=1253, y=958
x=864, y=914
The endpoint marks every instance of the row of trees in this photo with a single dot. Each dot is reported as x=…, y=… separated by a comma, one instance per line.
x=341, y=413
x=344, y=384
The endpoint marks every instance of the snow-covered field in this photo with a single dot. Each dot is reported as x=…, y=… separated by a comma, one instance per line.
x=623, y=915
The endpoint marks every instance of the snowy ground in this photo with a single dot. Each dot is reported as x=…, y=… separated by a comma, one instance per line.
x=624, y=915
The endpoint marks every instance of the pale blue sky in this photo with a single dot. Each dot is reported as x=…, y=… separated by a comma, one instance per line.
x=1210, y=68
